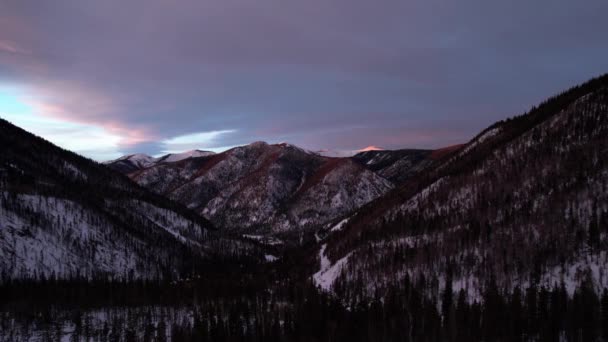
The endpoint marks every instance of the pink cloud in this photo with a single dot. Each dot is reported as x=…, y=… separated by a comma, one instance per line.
x=9, y=47
x=74, y=104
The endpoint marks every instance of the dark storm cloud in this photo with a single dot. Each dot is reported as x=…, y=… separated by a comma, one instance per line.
x=338, y=74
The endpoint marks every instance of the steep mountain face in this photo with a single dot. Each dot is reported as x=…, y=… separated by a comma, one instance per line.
x=524, y=203
x=64, y=216
x=270, y=188
x=395, y=165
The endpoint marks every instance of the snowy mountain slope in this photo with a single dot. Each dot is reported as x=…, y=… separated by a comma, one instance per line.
x=132, y=162
x=525, y=202
x=396, y=166
x=65, y=216
x=175, y=157
x=273, y=188
x=140, y=161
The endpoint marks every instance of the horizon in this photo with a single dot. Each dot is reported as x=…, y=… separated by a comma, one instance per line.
x=323, y=152
x=338, y=76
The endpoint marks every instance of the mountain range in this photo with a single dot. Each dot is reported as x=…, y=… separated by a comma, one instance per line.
x=65, y=216
x=524, y=202
x=273, y=189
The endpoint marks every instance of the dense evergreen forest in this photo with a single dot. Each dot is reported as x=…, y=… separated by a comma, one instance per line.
x=229, y=310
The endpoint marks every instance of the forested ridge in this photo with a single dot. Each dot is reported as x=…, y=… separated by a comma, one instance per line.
x=66, y=216
x=523, y=203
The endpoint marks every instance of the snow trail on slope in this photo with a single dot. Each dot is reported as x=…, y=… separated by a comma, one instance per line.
x=328, y=273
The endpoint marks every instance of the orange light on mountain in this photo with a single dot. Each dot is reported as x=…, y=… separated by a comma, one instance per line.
x=371, y=148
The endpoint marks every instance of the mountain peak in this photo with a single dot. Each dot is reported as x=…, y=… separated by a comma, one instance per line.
x=140, y=160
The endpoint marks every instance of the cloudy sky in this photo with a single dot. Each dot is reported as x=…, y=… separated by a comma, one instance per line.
x=111, y=77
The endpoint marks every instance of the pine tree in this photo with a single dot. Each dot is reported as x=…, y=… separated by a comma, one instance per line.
x=604, y=321
x=594, y=232
x=516, y=314
x=447, y=306
x=462, y=318
x=161, y=331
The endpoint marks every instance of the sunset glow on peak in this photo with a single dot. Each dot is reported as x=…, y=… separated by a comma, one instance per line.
x=371, y=148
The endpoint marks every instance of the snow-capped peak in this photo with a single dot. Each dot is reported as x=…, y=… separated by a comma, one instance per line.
x=139, y=159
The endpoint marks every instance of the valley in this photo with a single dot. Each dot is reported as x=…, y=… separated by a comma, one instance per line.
x=273, y=242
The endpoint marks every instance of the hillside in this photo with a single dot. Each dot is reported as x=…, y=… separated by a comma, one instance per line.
x=522, y=204
x=396, y=165
x=265, y=188
x=65, y=216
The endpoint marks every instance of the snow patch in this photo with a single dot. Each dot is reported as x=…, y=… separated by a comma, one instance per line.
x=266, y=240
x=481, y=139
x=172, y=158
x=328, y=273
x=270, y=258
x=340, y=225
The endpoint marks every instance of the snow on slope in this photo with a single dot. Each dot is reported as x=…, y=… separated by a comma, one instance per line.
x=32, y=248
x=48, y=236
x=519, y=209
x=340, y=225
x=136, y=162
x=275, y=188
x=485, y=136
x=328, y=273
x=172, y=158
x=336, y=153
x=141, y=160
x=182, y=229
x=396, y=165
x=63, y=215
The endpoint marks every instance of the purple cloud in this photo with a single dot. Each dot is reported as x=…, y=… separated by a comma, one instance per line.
x=340, y=74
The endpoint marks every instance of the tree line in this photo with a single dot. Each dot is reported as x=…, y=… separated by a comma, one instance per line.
x=203, y=310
